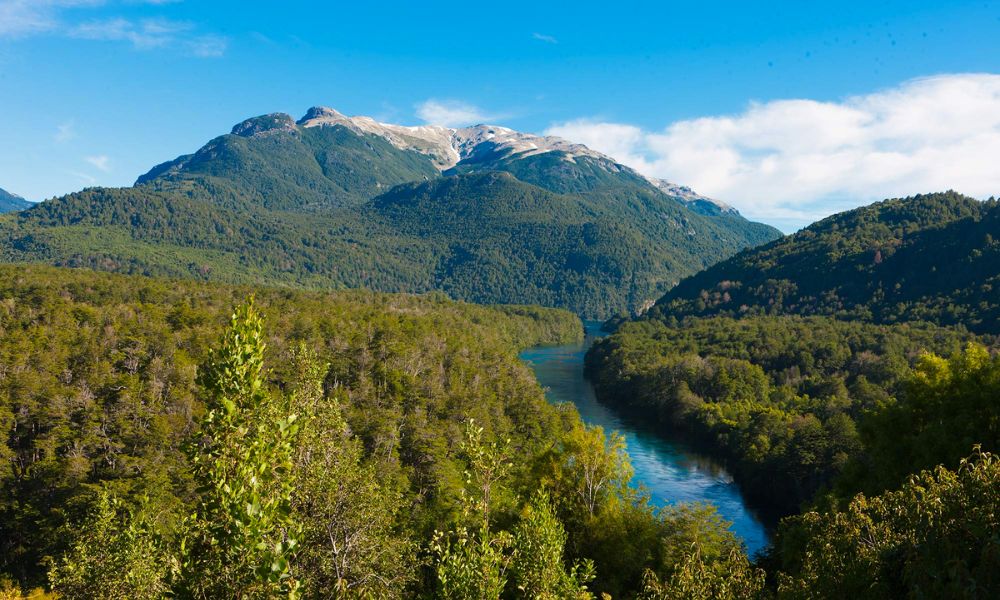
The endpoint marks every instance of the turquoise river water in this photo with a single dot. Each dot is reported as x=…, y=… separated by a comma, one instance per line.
x=670, y=470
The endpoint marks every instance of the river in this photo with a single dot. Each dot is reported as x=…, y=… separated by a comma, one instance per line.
x=669, y=470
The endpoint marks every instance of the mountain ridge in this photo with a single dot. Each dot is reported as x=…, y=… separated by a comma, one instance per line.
x=334, y=201
x=447, y=147
x=931, y=257
x=10, y=202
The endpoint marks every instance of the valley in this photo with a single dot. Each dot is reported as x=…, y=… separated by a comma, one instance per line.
x=338, y=356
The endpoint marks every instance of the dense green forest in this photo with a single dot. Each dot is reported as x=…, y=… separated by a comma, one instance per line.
x=811, y=414
x=358, y=445
x=780, y=398
x=932, y=257
x=849, y=377
x=328, y=207
x=168, y=438
x=352, y=444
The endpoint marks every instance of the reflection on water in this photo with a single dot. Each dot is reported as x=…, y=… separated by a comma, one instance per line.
x=671, y=471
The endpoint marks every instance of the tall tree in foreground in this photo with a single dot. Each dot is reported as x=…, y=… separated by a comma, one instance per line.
x=539, y=568
x=242, y=535
x=528, y=562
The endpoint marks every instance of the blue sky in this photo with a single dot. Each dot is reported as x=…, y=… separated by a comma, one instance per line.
x=788, y=110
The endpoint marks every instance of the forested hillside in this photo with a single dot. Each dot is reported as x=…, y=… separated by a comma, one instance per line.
x=360, y=445
x=780, y=398
x=269, y=162
x=934, y=257
x=334, y=206
x=858, y=356
x=403, y=449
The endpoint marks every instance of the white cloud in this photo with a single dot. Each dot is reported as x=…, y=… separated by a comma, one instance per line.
x=207, y=46
x=86, y=178
x=451, y=113
x=794, y=161
x=21, y=18
x=101, y=162
x=64, y=132
x=143, y=35
x=541, y=37
x=623, y=142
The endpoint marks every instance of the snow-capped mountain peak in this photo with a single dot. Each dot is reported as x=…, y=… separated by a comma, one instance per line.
x=446, y=145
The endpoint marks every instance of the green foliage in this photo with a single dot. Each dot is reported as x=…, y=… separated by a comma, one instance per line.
x=632, y=545
x=946, y=407
x=596, y=468
x=732, y=578
x=349, y=547
x=930, y=257
x=242, y=536
x=778, y=397
x=539, y=543
x=489, y=464
x=527, y=562
x=98, y=388
x=474, y=564
x=470, y=567
x=936, y=537
x=115, y=555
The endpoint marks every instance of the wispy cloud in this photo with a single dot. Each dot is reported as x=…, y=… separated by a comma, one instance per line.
x=207, y=46
x=100, y=162
x=64, y=132
x=798, y=160
x=147, y=34
x=541, y=37
x=86, y=178
x=452, y=113
x=22, y=18
x=19, y=18
x=143, y=35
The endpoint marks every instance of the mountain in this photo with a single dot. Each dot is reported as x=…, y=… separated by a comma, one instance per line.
x=933, y=257
x=486, y=213
x=271, y=162
x=12, y=202
x=692, y=199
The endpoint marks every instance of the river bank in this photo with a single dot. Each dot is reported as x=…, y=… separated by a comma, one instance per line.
x=670, y=470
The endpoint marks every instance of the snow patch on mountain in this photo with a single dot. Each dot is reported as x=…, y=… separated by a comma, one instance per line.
x=448, y=146
x=692, y=198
